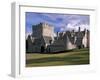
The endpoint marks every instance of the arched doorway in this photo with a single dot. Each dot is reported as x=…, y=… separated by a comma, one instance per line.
x=42, y=49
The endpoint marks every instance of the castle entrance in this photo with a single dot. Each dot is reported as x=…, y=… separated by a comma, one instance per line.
x=42, y=49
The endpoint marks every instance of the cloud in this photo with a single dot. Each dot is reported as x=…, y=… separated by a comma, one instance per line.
x=61, y=22
x=26, y=35
x=55, y=34
x=71, y=27
x=62, y=29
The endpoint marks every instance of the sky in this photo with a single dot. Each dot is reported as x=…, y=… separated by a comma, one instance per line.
x=60, y=22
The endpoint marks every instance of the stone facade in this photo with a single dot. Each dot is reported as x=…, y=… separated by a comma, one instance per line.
x=42, y=39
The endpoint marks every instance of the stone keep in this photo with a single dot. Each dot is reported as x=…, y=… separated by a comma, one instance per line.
x=42, y=34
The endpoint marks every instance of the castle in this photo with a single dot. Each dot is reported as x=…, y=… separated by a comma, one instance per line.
x=43, y=40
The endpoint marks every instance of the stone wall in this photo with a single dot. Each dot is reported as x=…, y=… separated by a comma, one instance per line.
x=43, y=40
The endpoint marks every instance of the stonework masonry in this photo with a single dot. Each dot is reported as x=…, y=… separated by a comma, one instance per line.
x=42, y=39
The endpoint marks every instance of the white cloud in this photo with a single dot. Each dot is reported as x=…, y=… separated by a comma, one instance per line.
x=72, y=27
x=62, y=29
x=84, y=26
x=55, y=35
x=29, y=33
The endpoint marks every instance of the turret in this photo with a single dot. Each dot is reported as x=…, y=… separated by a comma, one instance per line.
x=79, y=29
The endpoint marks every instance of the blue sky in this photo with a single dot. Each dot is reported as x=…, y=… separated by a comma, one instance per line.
x=61, y=22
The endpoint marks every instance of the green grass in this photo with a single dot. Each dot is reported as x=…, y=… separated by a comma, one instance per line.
x=74, y=57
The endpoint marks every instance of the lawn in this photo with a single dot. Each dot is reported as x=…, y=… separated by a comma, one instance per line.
x=74, y=57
